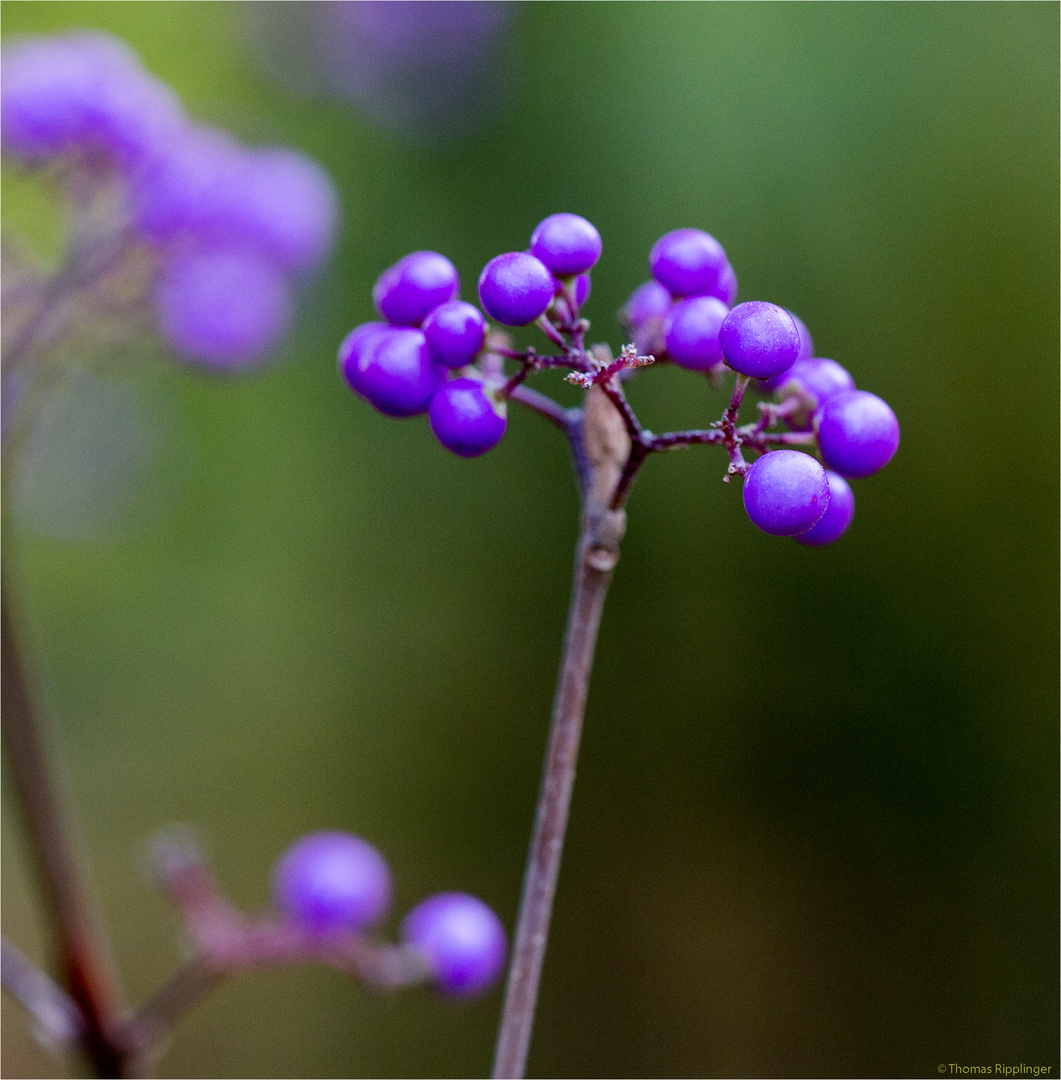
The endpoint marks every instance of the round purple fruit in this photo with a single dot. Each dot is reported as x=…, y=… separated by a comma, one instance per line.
x=857, y=433
x=759, y=339
x=332, y=881
x=465, y=417
x=566, y=243
x=785, y=492
x=516, y=288
x=408, y=290
x=461, y=939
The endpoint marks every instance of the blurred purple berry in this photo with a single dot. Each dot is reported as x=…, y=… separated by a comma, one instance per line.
x=690, y=332
x=815, y=380
x=727, y=285
x=396, y=374
x=407, y=291
x=465, y=418
x=583, y=287
x=82, y=92
x=355, y=347
x=461, y=939
x=566, y=243
x=759, y=339
x=857, y=433
x=834, y=522
x=332, y=881
x=649, y=300
x=515, y=288
x=455, y=332
x=785, y=492
x=689, y=262
x=225, y=309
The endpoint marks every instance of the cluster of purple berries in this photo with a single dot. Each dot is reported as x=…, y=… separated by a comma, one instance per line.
x=232, y=228
x=429, y=356
x=332, y=883
x=684, y=314
x=423, y=358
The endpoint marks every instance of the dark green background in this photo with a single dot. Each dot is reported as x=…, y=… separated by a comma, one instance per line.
x=815, y=829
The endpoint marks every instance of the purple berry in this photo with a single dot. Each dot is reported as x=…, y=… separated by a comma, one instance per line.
x=461, y=939
x=857, y=433
x=515, y=288
x=834, y=522
x=648, y=301
x=396, y=374
x=413, y=286
x=284, y=203
x=355, y=348
x=226, y=309
x=583, y=287
x=465, y=418
x=83, y=92
x=690, y=332
x=727, y=286
x=815, y=381
x=759, y=339
x=785, y=492
x=688, y=262
x=566, y=243
x=806, y=351
x=455, y=332
x=332, y=881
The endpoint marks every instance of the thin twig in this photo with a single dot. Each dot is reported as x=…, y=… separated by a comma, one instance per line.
x=543, y=405
x=83, y=958
x=58, y=1019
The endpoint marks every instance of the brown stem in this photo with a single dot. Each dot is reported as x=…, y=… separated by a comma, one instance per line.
x=592, y=576
x=82, y=957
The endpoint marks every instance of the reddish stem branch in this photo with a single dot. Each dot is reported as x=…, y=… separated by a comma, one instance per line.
x=82, y=957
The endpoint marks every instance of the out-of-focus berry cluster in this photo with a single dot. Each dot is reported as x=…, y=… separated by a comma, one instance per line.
x=331, y=891
x=431, y=355
x=229, y=229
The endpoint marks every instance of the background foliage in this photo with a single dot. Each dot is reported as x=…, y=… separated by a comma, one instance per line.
x=815, y=830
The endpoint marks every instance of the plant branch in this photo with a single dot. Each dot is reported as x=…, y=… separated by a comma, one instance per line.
x=605, y=445
x=58, y=1019
x=82, y=956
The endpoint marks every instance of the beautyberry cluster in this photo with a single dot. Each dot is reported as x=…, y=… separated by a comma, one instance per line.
x=229, y=229
x=430, y=355
x=433, y=354
x=330, y=883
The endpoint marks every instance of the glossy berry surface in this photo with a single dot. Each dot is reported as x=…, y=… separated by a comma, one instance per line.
x=806, y=351
x=566, y=243
x=515, y=288
x=688, y=262
x=759, y=339
x=407, y=291
x=461, y=939
x=857, y=433
x=224, y=309
x=690, y=332
x=465, y=419
x=396, y=373
x=332, y=881
x=455, y=332
x=785, y=492
x=834, y=522
x=354, y=348
x=815, y=381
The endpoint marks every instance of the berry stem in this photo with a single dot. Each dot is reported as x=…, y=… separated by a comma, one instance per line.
x=83, y=958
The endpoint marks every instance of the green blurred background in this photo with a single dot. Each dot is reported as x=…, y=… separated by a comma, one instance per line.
x=815, y=828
